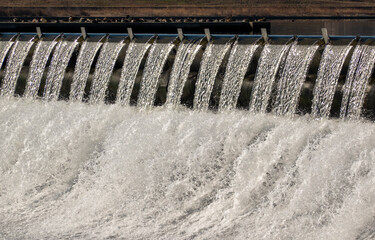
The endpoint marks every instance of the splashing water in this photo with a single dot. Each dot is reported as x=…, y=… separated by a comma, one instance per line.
x=211, y=61
x=186, y=53
x=56, y=70
x=103, y=70
x=14, y=65
x=268, y=67
x=132, y=61
x=82, y=69
x=154, y=66
x=292, y=78
x=4, y=48
x=38, y=63
x=354, y=90
x=104, y=171
x=239, y=60
x=328, y=74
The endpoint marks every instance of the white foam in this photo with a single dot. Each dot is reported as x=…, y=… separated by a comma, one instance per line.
x=71, y=170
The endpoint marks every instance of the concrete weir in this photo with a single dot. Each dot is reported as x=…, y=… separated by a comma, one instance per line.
x=216, y=60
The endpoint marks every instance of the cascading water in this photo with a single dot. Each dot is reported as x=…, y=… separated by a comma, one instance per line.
x=328, y=74
x=5, y=45
x=151, y=73
x=132, y=61
x=85, y=171
x=268, y=67
x=293, y=75
x=56, y=69
x=17, y=56
x=186, y=53
x=82, y=69
x=80, y=171
x=239, y=60
x=103, y=70
x=41, y=54
x=354, y=90
x=211, y=61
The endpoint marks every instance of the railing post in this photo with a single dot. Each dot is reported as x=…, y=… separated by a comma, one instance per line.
x=208, y=34
x=84, y=33
x=264, y=34
x=130, y=33
x=39, y=32
x=180, y=34
x=325, y=35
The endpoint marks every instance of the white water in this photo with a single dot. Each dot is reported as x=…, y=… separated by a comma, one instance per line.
x=238, y=63
x=328, y=75
x=292, y=78
x=56, y=69
x=78, y=171
x=359, y=73
x=150, y=79
x=82, y=69
x=210, y=64
x=15, y=62
x=4, y=48
x=103, y=70
x=270, y=60
x=38, y=63
x=187, y=50
x=132, y=61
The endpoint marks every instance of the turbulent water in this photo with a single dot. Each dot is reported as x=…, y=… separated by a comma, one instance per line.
x=270, y=60
x=56, y=69
x=210, y=64
x=154, y=66
x=292, y=78
x=187, y=50
x=41, y=54
x=360, y=70
x=82, y=69
x=103, y=70
x=132, y=61
x=238, y=63
x=328, y=74
x=79, y=171
x=15, y=62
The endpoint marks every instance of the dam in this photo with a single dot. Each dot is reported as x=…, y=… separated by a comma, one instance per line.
x=186, y=135
x=196, y=70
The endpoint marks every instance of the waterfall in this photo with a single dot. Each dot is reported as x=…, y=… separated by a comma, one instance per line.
x=292, y=78
x=5, y=45
x=186, y=53
x=132, y=61
x=103, y=70
x=238, y=63
x=38, y=63
x=360, y=69
x=268, y=67
x=57, y=67
x=17, y=56
x=82, y=69
x=154, y=66
x=328, y=74
x=211, y=61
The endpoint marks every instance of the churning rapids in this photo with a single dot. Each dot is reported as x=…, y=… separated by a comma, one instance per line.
x=75, y=170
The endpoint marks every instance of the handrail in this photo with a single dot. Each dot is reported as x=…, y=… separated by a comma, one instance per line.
x=333, y=37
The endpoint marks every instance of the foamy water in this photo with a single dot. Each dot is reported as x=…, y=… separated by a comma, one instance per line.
x=72, y=170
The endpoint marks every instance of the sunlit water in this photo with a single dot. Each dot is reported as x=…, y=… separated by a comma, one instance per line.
x=40, y=57
x=74, y=170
